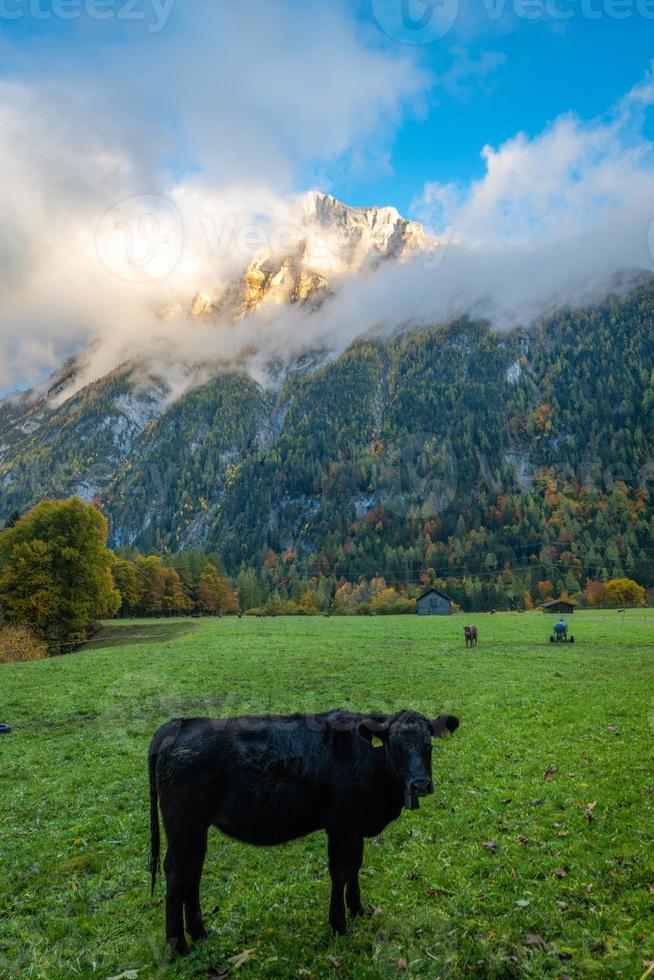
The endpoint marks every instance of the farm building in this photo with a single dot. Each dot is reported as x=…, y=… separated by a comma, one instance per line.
x=559, y=606
x=433, y=603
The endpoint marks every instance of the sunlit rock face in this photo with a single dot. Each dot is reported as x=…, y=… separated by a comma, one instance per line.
x=324, y=240
x=80, y=431
x=353, y=237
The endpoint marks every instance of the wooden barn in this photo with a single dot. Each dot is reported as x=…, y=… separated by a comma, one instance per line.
x=559, y=606
x=433, y=603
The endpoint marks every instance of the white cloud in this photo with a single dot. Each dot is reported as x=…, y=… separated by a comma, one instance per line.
x=556, y=185
x=552, y=219
x=225, y=112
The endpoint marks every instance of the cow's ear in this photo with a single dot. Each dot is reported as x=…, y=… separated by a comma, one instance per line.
x=443, y=726
x=373, y=730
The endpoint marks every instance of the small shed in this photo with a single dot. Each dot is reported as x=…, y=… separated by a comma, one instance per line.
x=433, y=603
x=558, y=606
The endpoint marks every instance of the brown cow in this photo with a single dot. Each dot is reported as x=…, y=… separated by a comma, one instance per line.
x=470, y=633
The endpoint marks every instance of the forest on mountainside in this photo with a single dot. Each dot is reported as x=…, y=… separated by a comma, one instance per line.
x=493, y=464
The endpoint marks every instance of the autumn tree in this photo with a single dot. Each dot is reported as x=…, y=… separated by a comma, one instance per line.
x=625, y=592
x=55, y=572
x=597, y=594
x=214, y=594
x=160, y=588
x=126, y=579
x=151, y=584
x=175, y=601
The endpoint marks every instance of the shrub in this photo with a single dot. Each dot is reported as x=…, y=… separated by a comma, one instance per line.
x=19, y=643
x=390, y=603
x=396, y=607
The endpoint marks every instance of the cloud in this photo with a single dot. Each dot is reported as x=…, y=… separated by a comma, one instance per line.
x=212, y=121
x=226, y=111
x=554, y=186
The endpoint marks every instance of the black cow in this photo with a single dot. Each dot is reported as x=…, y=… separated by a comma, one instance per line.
x=267, y=780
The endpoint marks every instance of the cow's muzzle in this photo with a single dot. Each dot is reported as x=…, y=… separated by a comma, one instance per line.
x=414, y=790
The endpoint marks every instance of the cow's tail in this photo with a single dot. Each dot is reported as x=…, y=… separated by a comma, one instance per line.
x=155, y=839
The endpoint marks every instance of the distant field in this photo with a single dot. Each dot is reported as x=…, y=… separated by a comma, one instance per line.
x=502, y=873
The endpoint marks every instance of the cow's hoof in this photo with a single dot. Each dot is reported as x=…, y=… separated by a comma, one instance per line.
x=178, y=947
x=340, y=929
x=197, y=935
x=357, y=913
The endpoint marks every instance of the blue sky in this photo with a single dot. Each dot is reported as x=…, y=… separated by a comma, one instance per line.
x=494, y=73
x=521, y=131
x=543, y=69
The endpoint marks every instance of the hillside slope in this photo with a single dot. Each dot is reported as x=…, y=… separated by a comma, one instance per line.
x=454, y=449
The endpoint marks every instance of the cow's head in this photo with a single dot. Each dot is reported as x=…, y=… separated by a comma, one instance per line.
x=406, y=738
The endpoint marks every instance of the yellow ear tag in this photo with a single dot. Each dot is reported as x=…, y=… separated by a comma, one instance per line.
x=376, y=742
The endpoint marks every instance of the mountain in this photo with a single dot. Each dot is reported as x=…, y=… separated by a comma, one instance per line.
x=67, y=437
x=495, y=461
x=322, y=241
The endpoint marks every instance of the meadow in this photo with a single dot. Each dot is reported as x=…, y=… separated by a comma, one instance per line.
x=534, y=857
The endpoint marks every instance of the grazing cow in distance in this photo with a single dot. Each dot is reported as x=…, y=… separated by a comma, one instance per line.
x=470, y=633
x=269, y=779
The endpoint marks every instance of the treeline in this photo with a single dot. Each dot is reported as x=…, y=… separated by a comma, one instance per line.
x=57, y=578
x=148, y=586
x=508, y=466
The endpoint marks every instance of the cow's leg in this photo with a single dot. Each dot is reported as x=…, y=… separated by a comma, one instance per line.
x=352, y=890
x=195, y=858
x=344, y=862
x=175, y=878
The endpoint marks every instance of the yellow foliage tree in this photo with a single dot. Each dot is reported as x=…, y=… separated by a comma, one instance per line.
x=55, y=572
x=625, y=592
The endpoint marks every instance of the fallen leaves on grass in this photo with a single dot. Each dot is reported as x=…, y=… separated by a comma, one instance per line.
x=549, y=773
x=523, y=840
x=335, y=961
x=401, y=964
x=242, y=958
x=535, y=940
x=490, y=845
x=560, y=873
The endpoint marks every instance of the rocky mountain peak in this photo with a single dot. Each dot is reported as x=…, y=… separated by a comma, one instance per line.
x=325, y=241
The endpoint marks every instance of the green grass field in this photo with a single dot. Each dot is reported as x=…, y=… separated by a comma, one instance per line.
x=504, y=872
